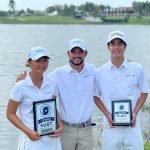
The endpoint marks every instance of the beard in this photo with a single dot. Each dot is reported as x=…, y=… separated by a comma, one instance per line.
x=76, y=64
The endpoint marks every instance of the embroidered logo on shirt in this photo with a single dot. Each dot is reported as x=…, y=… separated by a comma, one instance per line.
x=48, y=92
x=129, y=75
x=85, y=76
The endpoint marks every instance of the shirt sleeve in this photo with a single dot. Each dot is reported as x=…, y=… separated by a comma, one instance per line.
x=56, y=89
x=142, y=81
x=16, y=93
x=97, y=89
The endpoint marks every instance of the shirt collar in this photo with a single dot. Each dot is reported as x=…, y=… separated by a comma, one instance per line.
x=69, y=69
x=124, y=64
x=29, y=80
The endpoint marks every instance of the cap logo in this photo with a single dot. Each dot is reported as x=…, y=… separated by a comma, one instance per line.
x=39, y=50
x=76, y=42
x=116, y=33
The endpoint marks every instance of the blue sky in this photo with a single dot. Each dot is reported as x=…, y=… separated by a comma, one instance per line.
x=42, y=4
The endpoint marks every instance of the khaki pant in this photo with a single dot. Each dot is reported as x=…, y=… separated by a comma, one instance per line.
x=74, y=138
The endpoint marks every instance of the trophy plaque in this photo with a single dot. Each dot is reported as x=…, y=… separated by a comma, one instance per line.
x=45, y=116
x=122, y=113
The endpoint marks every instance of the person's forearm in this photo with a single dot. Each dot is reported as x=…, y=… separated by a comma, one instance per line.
x=59, y=120
x=13, y=118
x=141, y=100
x=101, y=106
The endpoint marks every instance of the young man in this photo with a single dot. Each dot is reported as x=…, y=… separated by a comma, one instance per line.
x=75, y=82
x=120, y=80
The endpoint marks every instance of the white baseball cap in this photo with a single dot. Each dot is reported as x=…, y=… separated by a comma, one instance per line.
x=118, y=35
x=37, y=52
x=77, y=42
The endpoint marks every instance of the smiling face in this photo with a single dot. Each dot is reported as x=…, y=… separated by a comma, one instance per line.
x=117, y=48
x=77, y=56
x=39, y=66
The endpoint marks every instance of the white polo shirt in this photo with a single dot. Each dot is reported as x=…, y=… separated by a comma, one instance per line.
x=124, y=83
x=25, y=92
x=76, y=92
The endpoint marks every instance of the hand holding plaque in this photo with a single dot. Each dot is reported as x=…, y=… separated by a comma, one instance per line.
x=45, y=116
x=122, y=113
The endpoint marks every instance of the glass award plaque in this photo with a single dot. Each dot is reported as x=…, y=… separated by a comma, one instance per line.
x=45, y=116
x=122, y=113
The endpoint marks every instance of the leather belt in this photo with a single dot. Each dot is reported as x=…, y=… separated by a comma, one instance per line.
x=78, y=125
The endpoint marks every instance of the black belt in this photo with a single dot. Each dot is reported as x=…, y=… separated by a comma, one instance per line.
x=79, y=125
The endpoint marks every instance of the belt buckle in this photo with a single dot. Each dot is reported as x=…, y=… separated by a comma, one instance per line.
x=80, y=125
x=70, y=124
x=84, y=124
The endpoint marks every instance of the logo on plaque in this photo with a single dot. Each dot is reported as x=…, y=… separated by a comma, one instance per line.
x=45, y=110
x=121, y=107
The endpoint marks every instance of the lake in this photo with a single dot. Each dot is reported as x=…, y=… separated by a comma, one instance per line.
x=17, y=40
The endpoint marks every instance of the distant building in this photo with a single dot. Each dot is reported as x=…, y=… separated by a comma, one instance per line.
x=119, y=11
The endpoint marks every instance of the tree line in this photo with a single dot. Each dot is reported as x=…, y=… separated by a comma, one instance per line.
x=88, y=9
x=142, y=8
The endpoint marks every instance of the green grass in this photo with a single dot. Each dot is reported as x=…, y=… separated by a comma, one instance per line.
x=147, y=146
x=146, y=107
x=66, y=20
x=139, y=20
x=42, y=20
x=130, y=20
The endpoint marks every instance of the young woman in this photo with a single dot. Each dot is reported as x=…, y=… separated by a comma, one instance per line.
x=34, y=87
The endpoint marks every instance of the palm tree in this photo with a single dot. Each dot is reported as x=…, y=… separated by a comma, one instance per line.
x=12, y=6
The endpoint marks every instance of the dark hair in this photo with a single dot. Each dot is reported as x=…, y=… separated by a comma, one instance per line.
x=46, y=57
